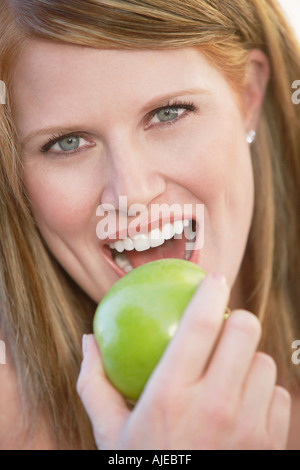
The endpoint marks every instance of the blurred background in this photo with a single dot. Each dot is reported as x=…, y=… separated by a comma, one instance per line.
x=292, y=10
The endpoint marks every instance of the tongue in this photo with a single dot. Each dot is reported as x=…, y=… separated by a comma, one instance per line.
x=174, y=248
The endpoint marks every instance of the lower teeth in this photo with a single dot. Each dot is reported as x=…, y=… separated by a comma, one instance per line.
x=122, y=261
x=127, y=269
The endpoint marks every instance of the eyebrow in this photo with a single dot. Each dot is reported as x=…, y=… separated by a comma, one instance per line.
x=155, y=102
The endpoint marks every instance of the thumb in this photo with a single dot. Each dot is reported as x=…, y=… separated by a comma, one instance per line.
x=105, y=406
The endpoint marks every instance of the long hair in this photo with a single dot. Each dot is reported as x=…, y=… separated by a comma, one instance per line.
x=43, y=311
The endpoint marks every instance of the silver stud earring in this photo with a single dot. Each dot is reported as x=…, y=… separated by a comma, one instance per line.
x=251, y=137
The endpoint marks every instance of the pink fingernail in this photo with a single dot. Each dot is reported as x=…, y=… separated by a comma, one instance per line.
x=220, y=278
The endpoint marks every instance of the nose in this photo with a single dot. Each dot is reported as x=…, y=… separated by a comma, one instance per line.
x=132, y=174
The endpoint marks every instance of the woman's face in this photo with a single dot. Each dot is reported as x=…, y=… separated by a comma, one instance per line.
x=120, y=142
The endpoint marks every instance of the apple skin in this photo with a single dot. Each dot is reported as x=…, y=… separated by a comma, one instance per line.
x=137, y=318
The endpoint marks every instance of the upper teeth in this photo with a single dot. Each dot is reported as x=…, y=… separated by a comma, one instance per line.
x=156, y=237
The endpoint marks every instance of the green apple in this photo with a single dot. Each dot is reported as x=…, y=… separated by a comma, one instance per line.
x=137, y=318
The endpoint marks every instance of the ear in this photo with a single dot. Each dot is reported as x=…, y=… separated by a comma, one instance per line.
x=258, y=76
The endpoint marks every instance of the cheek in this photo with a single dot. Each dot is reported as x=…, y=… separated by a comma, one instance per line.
x=211, y=159
x=64, y=200
x=213, y=164
x=224, y=178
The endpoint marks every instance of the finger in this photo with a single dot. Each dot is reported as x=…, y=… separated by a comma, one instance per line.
x=188, y=352
x=105, y=407
x=279, y=418
x=232, y=358
x=258, y=391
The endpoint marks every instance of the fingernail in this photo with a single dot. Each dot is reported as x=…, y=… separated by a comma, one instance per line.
x=220, y=278
x=84, y=344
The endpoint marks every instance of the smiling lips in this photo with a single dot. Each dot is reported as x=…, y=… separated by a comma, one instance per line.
x=173, y=240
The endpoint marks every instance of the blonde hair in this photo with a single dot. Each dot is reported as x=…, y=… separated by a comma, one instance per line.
x=43, y=312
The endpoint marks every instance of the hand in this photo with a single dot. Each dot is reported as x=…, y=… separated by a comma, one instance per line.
x=211, y=389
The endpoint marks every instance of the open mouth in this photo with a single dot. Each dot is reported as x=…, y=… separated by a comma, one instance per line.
x=172, y=240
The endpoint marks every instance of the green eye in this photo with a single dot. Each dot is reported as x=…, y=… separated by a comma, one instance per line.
x=167, y=114
x=69, y=143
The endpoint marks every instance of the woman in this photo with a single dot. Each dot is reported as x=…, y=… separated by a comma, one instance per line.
x=162, y=102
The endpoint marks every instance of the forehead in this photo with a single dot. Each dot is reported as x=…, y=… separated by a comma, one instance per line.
x=51, y=79
x=43, y=63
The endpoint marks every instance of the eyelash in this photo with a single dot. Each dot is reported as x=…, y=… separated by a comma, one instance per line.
x=188, y=106
x=60, y=136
